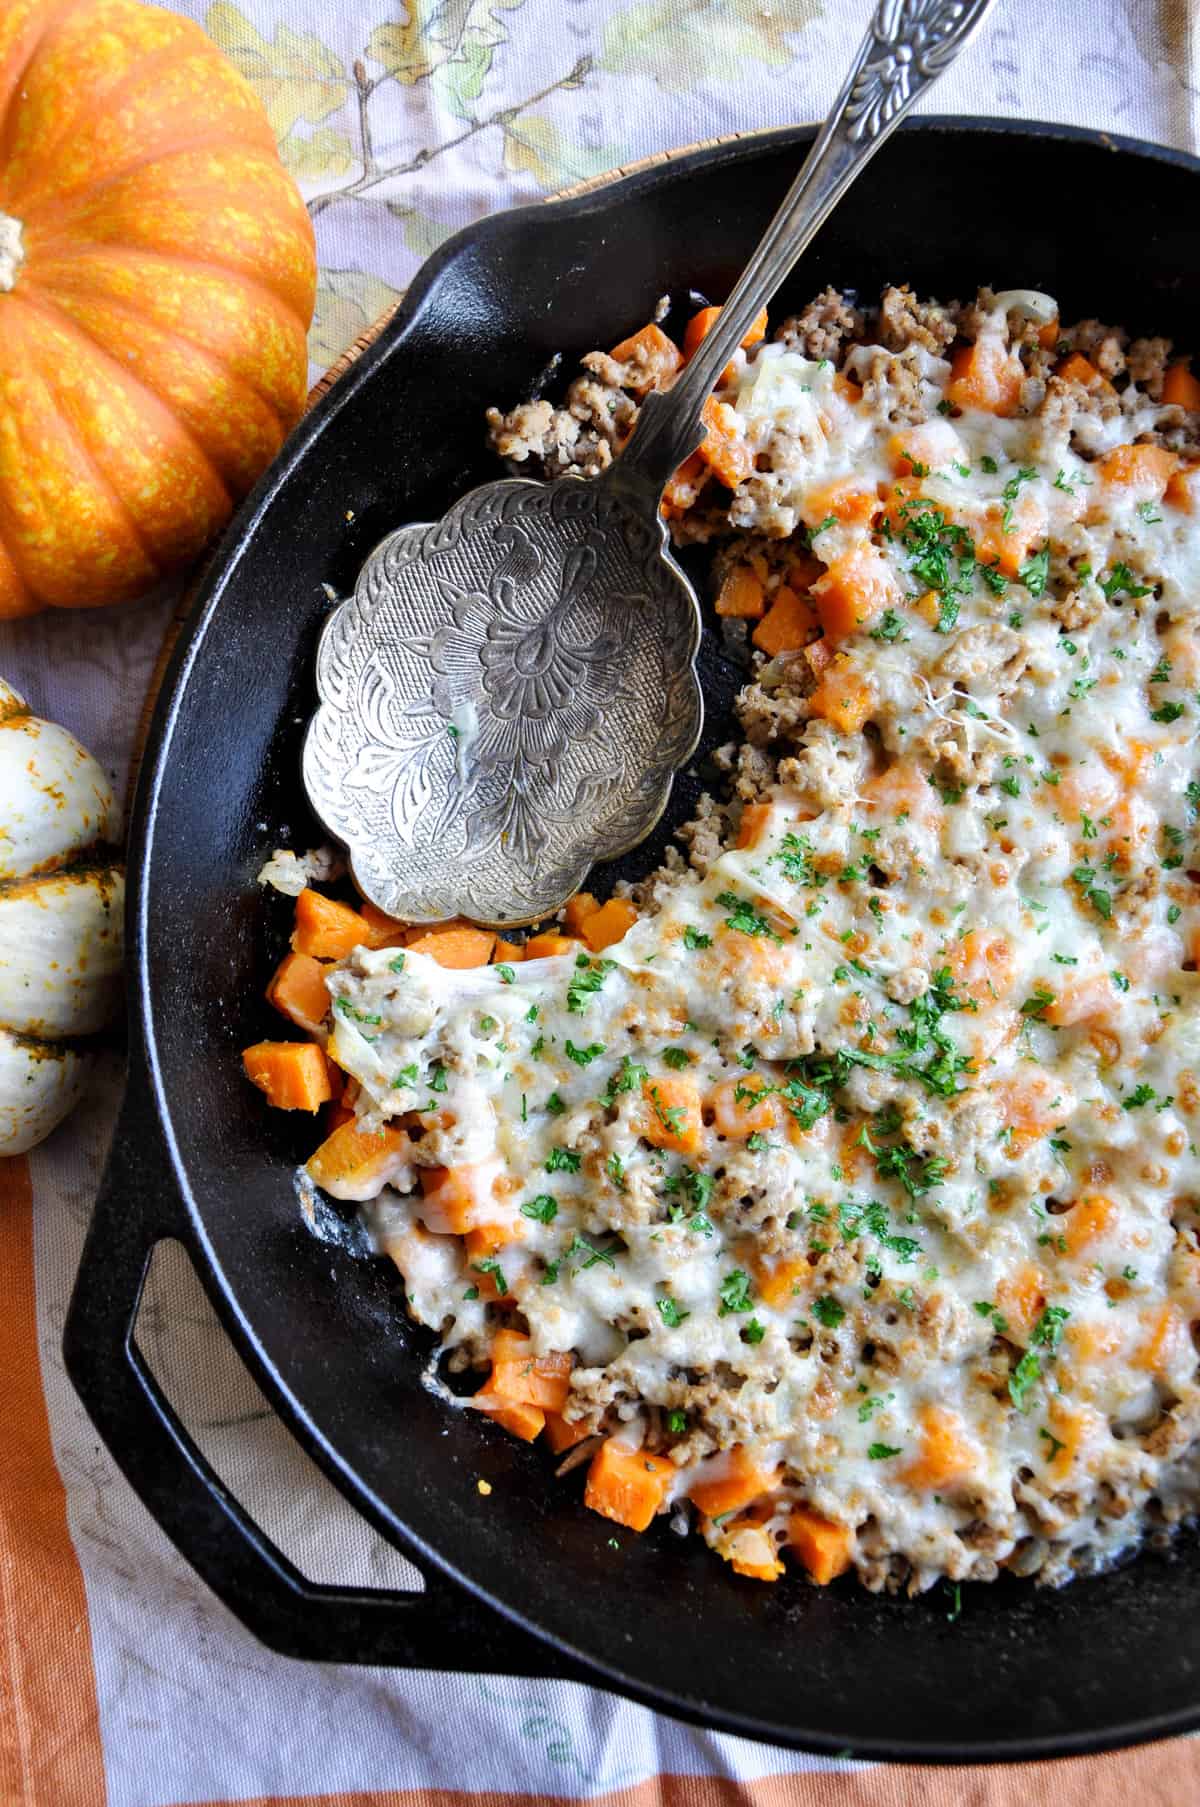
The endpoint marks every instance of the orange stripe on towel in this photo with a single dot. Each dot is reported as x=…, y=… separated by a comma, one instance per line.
x=50, y=1752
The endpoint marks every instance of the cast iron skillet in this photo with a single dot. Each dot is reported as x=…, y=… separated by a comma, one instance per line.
x=1103, y=224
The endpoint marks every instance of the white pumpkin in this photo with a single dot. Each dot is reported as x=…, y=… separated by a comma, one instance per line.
x=62, y=902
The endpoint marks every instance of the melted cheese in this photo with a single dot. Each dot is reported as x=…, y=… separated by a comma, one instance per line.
x=874, y=1147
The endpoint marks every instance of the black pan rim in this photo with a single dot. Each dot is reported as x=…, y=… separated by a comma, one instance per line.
x=203, y=611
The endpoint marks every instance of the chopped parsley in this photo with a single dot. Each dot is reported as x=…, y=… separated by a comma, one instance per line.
x=676, y=1057
x=745, y=918
x=890, y=628
x=1038, y=1002
x=734, y=1293
x=629, y=1077
x=589, y=977
x=505, y=974
x=1010, y=492
x=396, y=965
x=563, y=1160
x=1120, y=581
x=670, y=1313
x=828, y=1312
x=1047, y=1334
x=359, y=1016
x=883, y=1452
x=693, y=940
x=542, y=1209
x=1035, y=571
x=1100, y=900
x=489, y=1265
x=580, y=1246
x=583, y=1057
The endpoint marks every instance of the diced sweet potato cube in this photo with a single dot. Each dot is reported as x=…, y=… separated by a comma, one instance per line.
x=822, y=1546
x=946, y=1452
x=489, y=1238
x=1021, y=1296
x=788, y=623
x=297, y=990
x=741, y=596
x=519, y=1375
x=729, y=1481
x=753, y=824
x=1181, y=389
x=986, y=376
x=325, y=929
x=738, y=1109
x=933, y=444
x=383, y=930
x=1080, y=1001
x=459, y=945
x=1183, y=488
x=293, y=1075
x=626, y=1485
x=725, y=450
x=702, y=323
x=1145, y=470
x=548, y=943
x=1165, y=1325
x=561, y=1434
x=1087, y=1219
x=1075, y=368
x=457, y=1199
x=652, y=357
x=577, y=909
x=353, y=1157
x=610, y=923
x=856, y=588
x=507, y=953
x=521, y=1420
x=670, y=1116
x=847, y=499
x=781, y=1280
x=1010, y=548
x=843, y=699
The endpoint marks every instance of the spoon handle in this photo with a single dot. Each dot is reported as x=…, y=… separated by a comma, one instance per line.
x=909, y=44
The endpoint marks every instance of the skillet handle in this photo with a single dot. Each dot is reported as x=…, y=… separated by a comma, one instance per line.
x=442, y=1628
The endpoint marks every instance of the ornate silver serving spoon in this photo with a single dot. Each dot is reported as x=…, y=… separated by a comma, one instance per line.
x=508, y=694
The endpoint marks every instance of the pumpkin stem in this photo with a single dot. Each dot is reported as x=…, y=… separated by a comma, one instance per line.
x=12, y=251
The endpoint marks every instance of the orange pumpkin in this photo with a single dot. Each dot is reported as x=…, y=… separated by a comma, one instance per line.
x=157, y=278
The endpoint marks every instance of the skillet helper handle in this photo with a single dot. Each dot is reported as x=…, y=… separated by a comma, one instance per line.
x=442, y=1628
x=909, y=44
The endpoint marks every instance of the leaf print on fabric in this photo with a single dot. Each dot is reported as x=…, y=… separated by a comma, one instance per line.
x=468, y=33
x=680, y=46
x=322, y=155
x=294, y=74
x=536, y=145
x=422, y=233
x=348, y=301
x=402, y=46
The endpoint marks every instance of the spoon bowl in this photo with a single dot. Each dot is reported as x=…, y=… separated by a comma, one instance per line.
x=504, y=700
